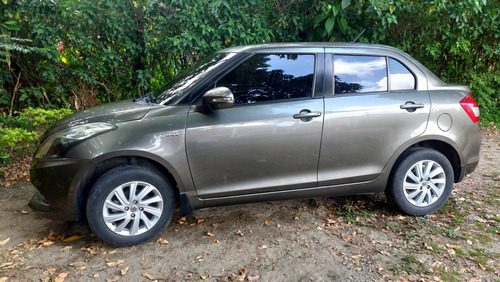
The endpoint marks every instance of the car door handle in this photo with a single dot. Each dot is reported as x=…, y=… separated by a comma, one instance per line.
x=304, y=114
x=411, y=105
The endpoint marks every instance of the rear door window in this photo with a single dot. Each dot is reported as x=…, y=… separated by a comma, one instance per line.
x=359, y=74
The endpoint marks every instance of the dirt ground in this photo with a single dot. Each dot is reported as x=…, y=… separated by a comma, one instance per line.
x=357, y=238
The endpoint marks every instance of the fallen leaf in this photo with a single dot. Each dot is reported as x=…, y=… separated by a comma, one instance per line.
x=61, y=277
x=162, y=241
x=239, y=233
x=209, y=233
x=154, y=277
x=46, y=243
x=54, y=269
x=357, y=257
x=262, y=247
x=267, y=222
x=253, y=277
x=242, y=275
x=96, y=275
x=201, y=220
x=118, y=263
x=204, y=277
x=24, y=212
x=91, y=250
x=114, y=279
x=4, y=241
x=72, y=238
x=5, y=264
x=78, y=264
x=3, y=279
x=123, y=272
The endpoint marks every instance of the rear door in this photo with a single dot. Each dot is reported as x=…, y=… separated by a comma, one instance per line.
x=270, y=139
x=379, y=103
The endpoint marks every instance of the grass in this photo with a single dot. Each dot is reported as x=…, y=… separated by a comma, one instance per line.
x=481, y=256
x=393, y=226
x=450, y=275
x=494, y=230
x=353, y=212
x=448, y=232
x=483, y=238
x=417, y=222
x=460, y=252
x=409, y=264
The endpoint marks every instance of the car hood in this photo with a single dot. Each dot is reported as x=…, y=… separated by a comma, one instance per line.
x=113, y=112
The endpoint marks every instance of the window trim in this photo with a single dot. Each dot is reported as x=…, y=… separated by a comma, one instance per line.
x=330, y=73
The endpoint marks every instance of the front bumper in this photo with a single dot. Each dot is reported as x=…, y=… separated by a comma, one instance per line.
x=56, y=181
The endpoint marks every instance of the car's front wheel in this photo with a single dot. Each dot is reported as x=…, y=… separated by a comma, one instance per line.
x=130, y=205
x=421, y=182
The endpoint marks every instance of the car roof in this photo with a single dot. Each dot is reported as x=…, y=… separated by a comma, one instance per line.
x=308, y=45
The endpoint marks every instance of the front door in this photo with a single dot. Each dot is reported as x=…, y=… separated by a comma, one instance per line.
x=269, y=140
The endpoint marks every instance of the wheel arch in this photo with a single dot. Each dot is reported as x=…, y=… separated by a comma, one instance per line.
x=105, y=164
x=443, y=147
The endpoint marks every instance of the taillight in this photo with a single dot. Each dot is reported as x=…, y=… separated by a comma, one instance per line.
x=471, y=108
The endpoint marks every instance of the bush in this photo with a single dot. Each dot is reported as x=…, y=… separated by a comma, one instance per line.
x=19, y=133
x=485, y=87
x=120, y=49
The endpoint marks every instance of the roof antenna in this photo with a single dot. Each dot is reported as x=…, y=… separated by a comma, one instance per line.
x=356, y=39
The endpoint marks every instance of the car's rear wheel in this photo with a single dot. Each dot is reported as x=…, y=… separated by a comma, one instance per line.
x=130, y=205
x=421, y=182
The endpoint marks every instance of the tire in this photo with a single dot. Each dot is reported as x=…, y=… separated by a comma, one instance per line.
x=121, y=220
x=421, y=182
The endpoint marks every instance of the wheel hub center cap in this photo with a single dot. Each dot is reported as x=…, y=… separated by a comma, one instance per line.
x=133, y=209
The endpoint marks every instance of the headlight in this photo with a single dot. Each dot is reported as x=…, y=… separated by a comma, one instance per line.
x=57, y=145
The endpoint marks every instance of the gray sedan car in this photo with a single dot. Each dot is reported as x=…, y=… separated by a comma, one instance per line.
x=261, y=123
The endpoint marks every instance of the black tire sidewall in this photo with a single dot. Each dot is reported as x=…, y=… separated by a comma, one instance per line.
x=395, y=191
x=116, y=177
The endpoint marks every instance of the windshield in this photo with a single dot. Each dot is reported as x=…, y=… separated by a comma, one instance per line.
x=173, y=90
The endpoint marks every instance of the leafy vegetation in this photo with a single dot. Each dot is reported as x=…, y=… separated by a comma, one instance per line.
x=20, y=132
x=82, y=53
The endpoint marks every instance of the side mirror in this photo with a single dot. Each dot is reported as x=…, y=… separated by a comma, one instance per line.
x=218, y=98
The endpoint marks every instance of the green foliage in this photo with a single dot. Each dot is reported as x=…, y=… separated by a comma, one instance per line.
x=81, y=53
x=18, y=133
x=41, y=119
x=354, y=212
x=14, y=138
x=485, y=86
